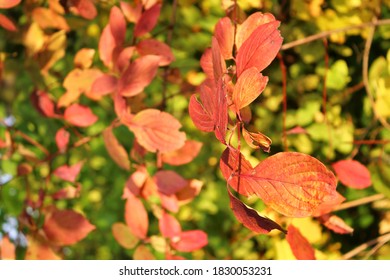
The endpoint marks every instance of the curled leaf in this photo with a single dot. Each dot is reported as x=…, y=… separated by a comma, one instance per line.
x=335, y=223
x=257, y=140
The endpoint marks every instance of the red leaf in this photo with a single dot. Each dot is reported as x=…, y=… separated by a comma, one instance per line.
x=135, y=182
x=250, y=218
x=69, y=192
x=6, y=23
x=154, y=47
x=66, y=227
x=200, y=116
x=124, y=58
x=183, y=155
x=156, y=130
x=104, y=84
x=132, y=11
x=293, y=184
x=6, y=4
x=300, y=247
x=169, y=202
x=117, y=25
x=116, y=151
x=169, y=182
x=69, y=173
x=147, y=20
x=190, y=241
x=206, y=62
x=260, y=48
x=84, y=8
x=224, y=32
x=7, y=249
x=62, y=139
x=136, y=216
x=219, y=65
x=248, y=87
x=336, y=224
x=43, y=103
x=138, y=75
x=124, y=236
x=169, y=226
x=106, y=46
x=257, y=140
x=352, y=174
x=79, y=115
x=245, y=29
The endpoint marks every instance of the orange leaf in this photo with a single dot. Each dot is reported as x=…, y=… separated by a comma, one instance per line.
x=154, y=47
x=250, y=218
x=66, y=227
x=260, y=48
x=136, y=216
x=132, y=11
x=169, y=226
x=293, y=184
x=299, y=245
x=49, y=19
x=257, y=140
x=69, y=173
x=169, y=182
x=147, y=20
x=106, y=46
x=142, y=253
x=135, y=182
x=79, y=115
x=116, y=151
x=336, y=224
x=245, y=29
x=188, y=193
x=39, y=249
x=84, y=58
x=6, y=4
x=62, y=139
x=224, y=32
x=352, y=174
x=138, y=75
x=6, y=23
x=156, y=130
x=69, y=192
x=183, y=155
x=248, y=87
x=124, y=236
x=118, y=25
x=7, y=249
x=190, y=241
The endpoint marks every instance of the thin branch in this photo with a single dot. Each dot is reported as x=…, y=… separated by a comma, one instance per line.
x=284, y=91
x=32, y=141
x=330, y=32
x=380, y=239
x=361, y=201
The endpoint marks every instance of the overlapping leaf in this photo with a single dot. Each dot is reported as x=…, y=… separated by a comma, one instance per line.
x=293, y=184
x=154, y=47
x=147, y=20
x=169, y=226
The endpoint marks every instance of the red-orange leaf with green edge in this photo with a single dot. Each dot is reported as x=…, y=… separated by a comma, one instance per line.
x=69, y=173
x=335, y=223
x=147, y=21
x=6, y=4
x=136, y=216
x=117, y=24
x=257, y=140
x=156, y=130
x=116, y=151
x=169, y=182
x=224, y=33
x=154, y=47
x=183, y=155
x=352, y=173
x=62, y=139
x=169, y=226
x=260, y=48
x=250, y=218
x=8, y=24
x=124, y=236
x=138, y=75
x=79, y=115
x=66, y=227
x=294, y=184
x=299, y=245
x=248, y=87
x=245, y=29
x=190, y=241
